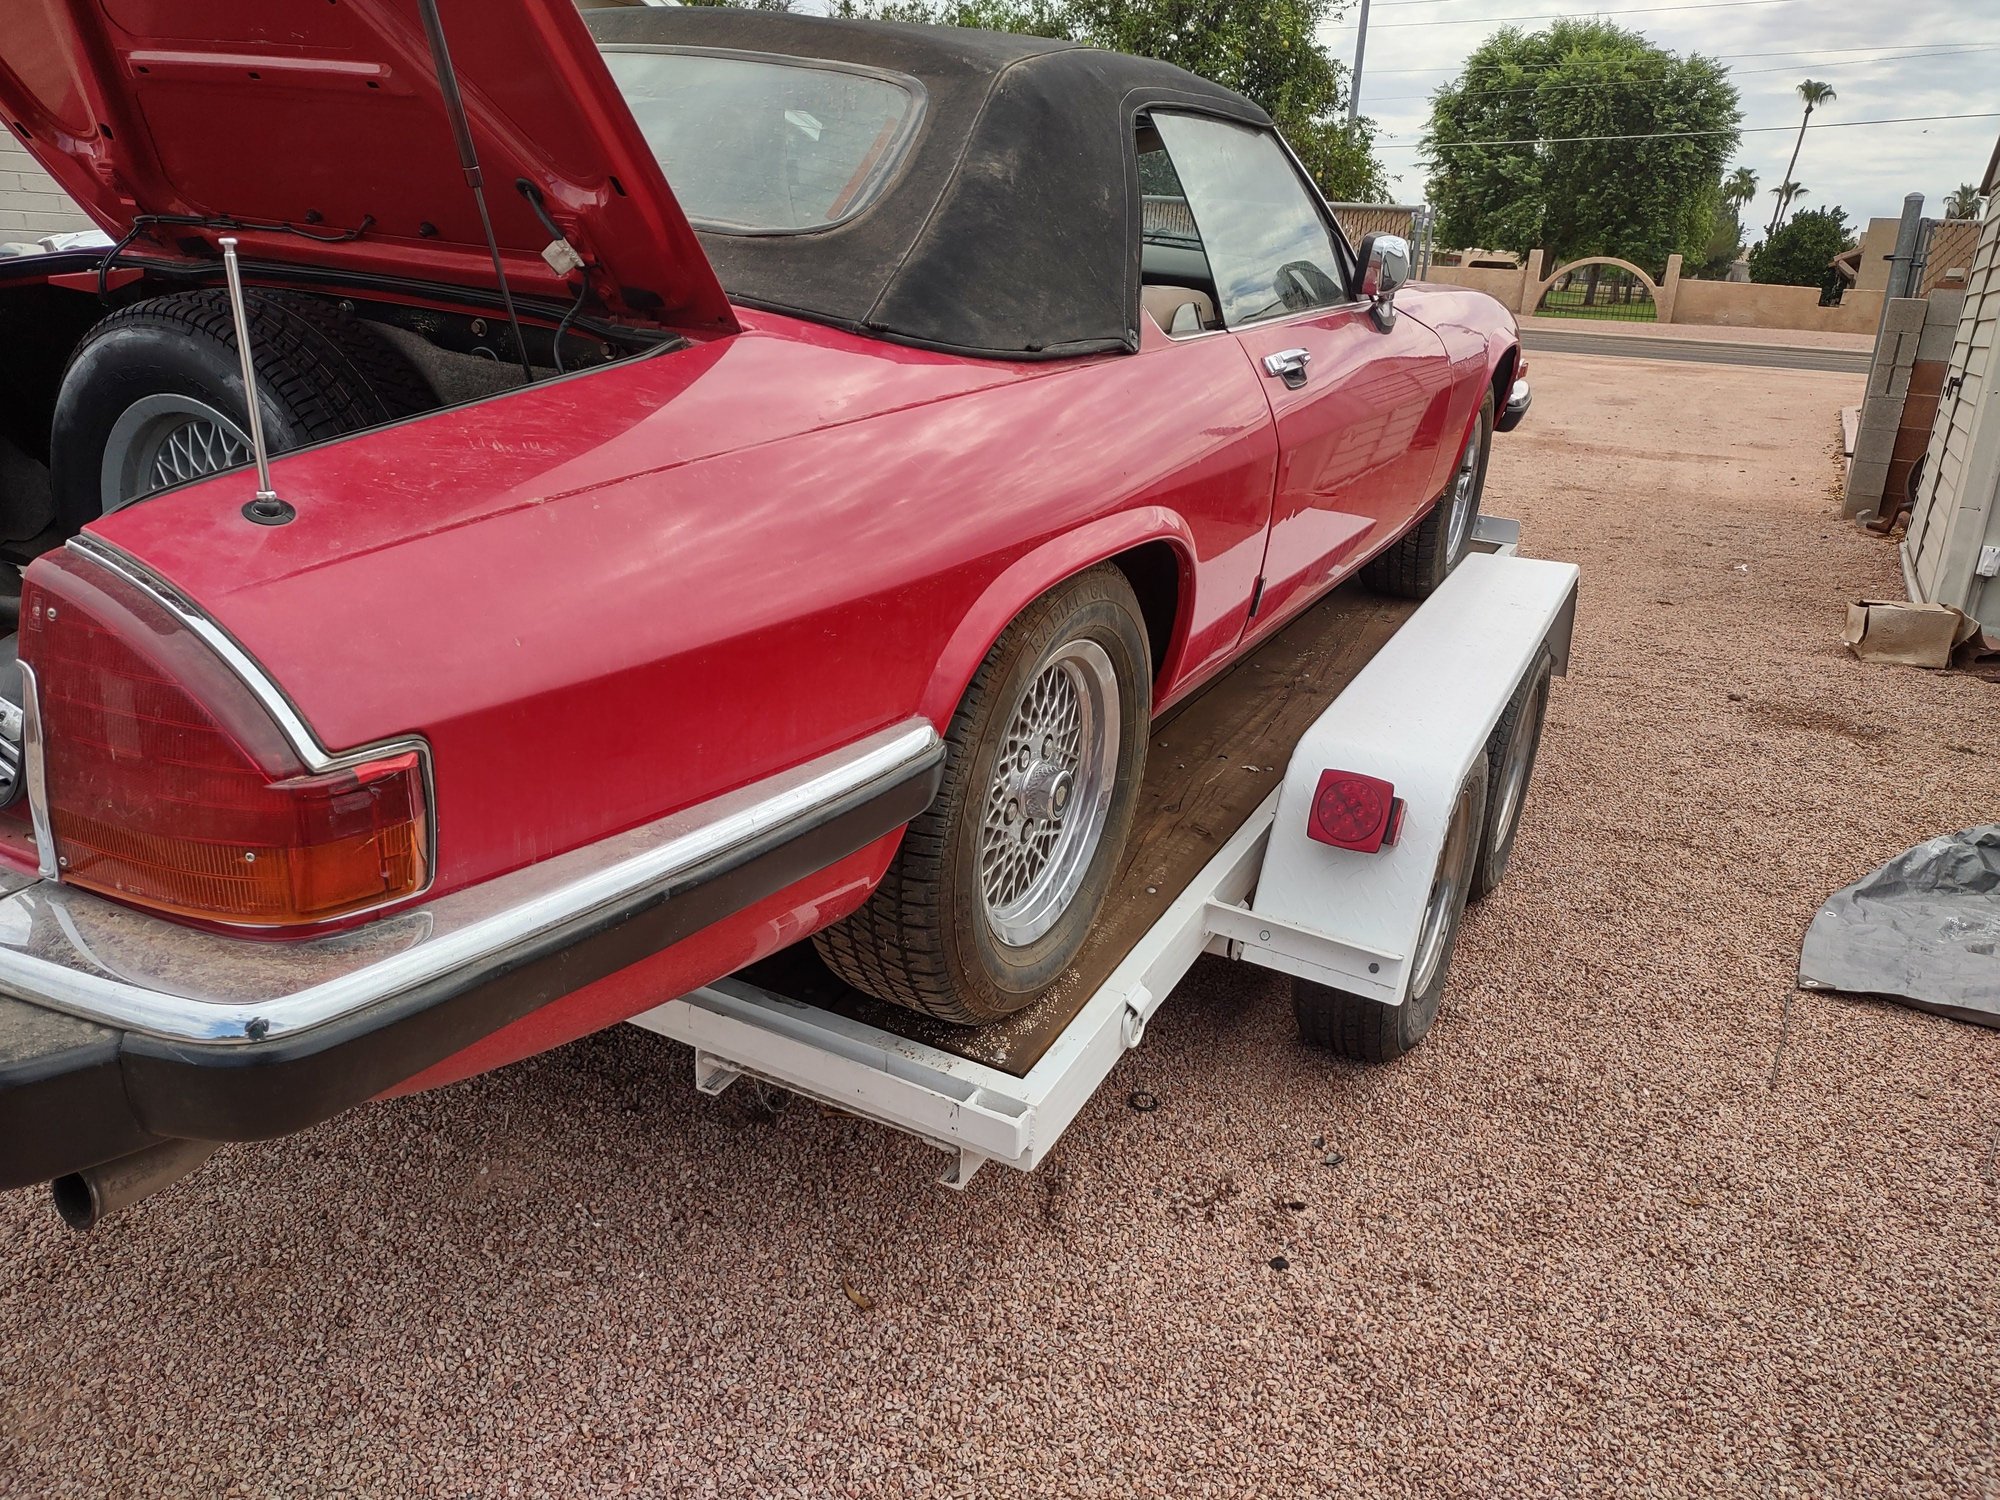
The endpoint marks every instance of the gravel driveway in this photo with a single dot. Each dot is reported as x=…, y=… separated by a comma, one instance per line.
x=1603, y=1232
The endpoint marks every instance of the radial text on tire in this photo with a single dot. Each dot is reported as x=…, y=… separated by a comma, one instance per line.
x=995, y=886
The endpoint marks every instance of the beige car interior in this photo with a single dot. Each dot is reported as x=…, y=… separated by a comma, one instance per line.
x=1180, y=310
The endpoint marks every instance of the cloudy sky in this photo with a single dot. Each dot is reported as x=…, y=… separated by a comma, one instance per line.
x=1864, y=48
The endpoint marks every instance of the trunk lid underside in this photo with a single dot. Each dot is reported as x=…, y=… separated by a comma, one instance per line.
x=319, y=136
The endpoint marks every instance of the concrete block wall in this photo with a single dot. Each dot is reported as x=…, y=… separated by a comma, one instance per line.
x=31, y=205
x=1905, y=382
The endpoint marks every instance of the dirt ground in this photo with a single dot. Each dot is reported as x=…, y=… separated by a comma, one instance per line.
x=1618, y=1227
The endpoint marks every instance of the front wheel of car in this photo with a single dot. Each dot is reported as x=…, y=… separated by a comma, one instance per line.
x=996, y=884
x=1423, y=558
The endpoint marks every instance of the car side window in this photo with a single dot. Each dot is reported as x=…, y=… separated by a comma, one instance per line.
x=1266, y=240
x=1177, y=288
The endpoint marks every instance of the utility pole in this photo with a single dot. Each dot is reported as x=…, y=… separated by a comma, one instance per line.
x=1354, y=83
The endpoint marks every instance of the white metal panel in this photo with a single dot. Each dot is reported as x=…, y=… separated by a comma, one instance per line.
x=1416, y=716
x=1957, y=511
x=1466, y=649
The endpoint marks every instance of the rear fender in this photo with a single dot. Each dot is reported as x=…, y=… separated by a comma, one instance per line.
x=1034, y=573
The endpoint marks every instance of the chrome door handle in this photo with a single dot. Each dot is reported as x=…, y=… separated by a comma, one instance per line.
x=1289, y=365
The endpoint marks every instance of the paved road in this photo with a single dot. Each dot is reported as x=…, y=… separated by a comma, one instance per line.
x=1643, y=346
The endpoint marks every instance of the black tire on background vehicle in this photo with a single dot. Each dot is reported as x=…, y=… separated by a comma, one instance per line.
x=1425, y=555
x=153, y=395
x=1364, y=1030
x=1510, y=759
x=996, y=884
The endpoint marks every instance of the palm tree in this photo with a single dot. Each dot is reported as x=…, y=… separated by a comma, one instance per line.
x=1815, y=94
x=1963, y=202
x=1739, y=187
x=1786, y=193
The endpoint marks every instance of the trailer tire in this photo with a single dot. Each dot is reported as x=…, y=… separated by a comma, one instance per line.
x=1364, y=1030
x=154, y=393
x=973, y=922
x=1415, y=564
x=1510, y=756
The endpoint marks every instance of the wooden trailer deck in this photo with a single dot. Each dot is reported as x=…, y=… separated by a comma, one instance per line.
x=1213, y=760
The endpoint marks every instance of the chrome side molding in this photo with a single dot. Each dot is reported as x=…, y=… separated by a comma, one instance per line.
x=80, y=954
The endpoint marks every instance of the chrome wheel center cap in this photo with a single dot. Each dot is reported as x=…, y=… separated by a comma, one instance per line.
x=1046, y=790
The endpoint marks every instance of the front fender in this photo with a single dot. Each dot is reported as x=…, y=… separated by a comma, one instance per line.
x=1040, y=569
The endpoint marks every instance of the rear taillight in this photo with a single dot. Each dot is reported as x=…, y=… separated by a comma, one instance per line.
x=168, y=785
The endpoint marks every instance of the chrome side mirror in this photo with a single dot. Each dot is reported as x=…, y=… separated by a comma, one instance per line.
x=1385, y=266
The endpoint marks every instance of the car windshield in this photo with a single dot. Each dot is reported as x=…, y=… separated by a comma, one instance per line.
x=766, y=145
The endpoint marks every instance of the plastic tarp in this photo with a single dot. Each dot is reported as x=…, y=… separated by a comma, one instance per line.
x=1924, y=928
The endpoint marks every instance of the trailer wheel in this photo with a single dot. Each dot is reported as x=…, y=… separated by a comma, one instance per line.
x=996, y=884
x=153, y=396
x=1423, y=558
x=1365, y=1030
x=1510, y=755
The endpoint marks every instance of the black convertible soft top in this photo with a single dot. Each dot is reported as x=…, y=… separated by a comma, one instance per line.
x=1011, y=228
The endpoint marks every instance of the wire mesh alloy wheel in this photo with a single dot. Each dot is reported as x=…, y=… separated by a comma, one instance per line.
x=1051, y=786
x=1464, y=496
x=1448, y=890
x=166, y=440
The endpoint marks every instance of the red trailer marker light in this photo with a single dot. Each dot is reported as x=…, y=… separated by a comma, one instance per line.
x=1353, y=811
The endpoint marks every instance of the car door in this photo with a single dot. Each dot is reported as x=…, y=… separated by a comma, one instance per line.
x=1360, y=410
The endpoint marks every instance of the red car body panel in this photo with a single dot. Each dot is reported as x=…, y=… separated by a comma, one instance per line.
x=606, y=598
x=135, y=105
x=689, y=571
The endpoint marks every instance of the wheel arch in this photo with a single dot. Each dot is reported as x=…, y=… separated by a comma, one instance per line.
x=1152, y=547
x=1503, y=374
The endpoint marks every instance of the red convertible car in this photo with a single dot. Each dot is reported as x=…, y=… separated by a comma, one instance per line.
x=656, y=576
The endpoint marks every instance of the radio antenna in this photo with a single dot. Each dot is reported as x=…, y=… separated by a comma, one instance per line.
x=266, y=509
x=468, y=158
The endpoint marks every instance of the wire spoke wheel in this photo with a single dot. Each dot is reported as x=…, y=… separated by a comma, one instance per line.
x=1464, y=497
x=1448, y=891
x=163, y=440
x=1052, y=780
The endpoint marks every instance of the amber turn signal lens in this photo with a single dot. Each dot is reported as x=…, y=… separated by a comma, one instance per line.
x=168, y=785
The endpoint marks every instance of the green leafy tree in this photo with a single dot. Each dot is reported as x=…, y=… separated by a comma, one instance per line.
x=1518, y=154
x=1725, y=239
x=1963, y=202
x=1801, y=253
x=1268, y=50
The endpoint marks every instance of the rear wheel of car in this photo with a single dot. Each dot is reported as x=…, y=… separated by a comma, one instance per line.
x=1425, y=556
x=1510, y=759
x=153, y=396
x=996, y=884
x=1365, y=1030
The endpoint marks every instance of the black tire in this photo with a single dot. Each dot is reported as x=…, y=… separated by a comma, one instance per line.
x=1510, y=759
x=319, y=375
x=924, y=939
x=1415, y=564
x=1364, y=1030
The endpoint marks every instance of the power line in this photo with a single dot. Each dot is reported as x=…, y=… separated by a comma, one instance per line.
x=1661, y=83
x=1711, y=56
x=1665, y=135
x=1569, y=15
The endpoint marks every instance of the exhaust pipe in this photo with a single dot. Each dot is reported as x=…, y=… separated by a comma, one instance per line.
x=86, y=1198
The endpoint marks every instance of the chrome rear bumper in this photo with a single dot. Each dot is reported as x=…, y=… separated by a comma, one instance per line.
x=106, y=1010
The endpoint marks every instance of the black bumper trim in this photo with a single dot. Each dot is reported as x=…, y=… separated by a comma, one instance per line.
x=74, y=1093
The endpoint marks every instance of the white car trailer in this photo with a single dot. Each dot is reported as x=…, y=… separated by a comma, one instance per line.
x=1366, y=722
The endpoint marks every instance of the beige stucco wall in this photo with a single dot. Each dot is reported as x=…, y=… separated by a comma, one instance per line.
x=31, y=205
x=1506, y=285
x=1733, y=304
x=1878, y=243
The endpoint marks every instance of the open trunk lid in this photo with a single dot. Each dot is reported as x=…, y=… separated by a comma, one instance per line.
x=317, y=134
